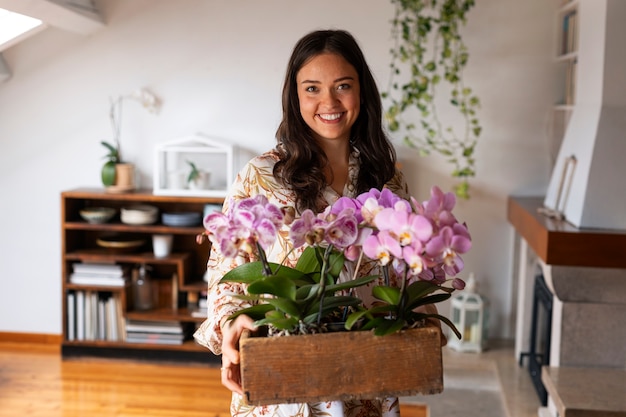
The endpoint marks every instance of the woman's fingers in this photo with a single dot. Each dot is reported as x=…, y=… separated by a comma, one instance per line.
x=231, y=333
x=231, y=378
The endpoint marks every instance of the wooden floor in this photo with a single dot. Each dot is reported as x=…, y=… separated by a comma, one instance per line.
x=34, y=381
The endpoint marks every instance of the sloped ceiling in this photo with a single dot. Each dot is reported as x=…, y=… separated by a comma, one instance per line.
x=78, y=16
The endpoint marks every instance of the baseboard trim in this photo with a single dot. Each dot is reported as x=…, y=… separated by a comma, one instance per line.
x=37, y=338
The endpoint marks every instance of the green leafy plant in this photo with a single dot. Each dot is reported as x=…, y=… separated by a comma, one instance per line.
x=297, y=300
x=428, y=59
x=194, y=174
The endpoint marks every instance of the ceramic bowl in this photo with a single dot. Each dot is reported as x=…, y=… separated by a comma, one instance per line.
x=97, y=214
x=182, y=219
x=120, y=243
x=139, y=214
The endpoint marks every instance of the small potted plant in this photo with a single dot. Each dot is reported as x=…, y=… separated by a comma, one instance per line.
x=118, y=175
x=197, y=178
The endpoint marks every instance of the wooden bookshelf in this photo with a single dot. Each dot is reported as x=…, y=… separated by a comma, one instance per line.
x=176, y=278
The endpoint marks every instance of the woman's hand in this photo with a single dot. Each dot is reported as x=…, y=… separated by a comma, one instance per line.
x=231, y=333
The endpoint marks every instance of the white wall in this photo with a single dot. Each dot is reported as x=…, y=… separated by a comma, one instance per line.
x=218, y=67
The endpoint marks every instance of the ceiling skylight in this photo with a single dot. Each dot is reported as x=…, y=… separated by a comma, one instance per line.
x=13, y=26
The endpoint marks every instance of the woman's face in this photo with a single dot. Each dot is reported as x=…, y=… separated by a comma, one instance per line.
x=329, y=95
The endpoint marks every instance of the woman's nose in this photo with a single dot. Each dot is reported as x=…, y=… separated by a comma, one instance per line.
x=329, y=96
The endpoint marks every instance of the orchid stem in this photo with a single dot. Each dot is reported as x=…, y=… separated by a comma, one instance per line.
x=322, y=289
x=267, y=271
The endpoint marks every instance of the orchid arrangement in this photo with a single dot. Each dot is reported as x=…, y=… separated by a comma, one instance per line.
x=417, y=246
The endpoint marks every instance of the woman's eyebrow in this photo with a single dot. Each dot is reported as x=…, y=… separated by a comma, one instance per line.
x=347, y=77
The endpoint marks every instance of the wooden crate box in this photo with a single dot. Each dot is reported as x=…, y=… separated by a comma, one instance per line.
x=341, y=366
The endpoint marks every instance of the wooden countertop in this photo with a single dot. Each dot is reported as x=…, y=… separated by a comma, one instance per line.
x=558, y=242
x=586, y=392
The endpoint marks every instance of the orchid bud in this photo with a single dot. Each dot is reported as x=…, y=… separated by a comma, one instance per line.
x=289, y=214
x=201, y=238
x=352, y=252
x=458, y=284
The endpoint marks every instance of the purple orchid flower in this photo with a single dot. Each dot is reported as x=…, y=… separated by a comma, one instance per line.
x=307, y=229
x=343, y=230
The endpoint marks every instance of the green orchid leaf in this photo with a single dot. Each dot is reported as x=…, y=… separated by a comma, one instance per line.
x=354, y=317
x=311, y=258
x=275, y=285
x=278, y=320
x=307, y=263
x=382, y=310
x=373, y=323
x=113, y=155
x=419, y=289
x=351, y=284
x=332, y=303
x=389, y=295
x=245, y=273
x=336, y=262
x=307, y=292
x=388, y=327
x=431, y=299
x=287, y=306
x=253, y=271
x=449, y=323
x=256, y=312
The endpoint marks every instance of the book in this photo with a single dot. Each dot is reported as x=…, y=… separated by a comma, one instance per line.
x=96, y=268
x=103, y=280
x=153, y=327
x=71, y=316
x=102, y=322
x=156, y=339
x=80, y=315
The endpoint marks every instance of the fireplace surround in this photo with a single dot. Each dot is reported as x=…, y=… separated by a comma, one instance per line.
x=585, y=270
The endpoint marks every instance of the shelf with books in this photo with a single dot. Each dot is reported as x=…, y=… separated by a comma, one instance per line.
x=567, y=50
x=568, y=37
x=98, y=290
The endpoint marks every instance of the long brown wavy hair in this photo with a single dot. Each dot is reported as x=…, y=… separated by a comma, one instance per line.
x=302, y=160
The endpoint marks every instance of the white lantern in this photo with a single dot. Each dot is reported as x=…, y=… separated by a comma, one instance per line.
x=469, y=315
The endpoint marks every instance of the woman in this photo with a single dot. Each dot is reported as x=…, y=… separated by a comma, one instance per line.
x=330, y=144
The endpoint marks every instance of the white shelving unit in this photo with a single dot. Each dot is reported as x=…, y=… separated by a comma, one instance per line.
x=587, y=185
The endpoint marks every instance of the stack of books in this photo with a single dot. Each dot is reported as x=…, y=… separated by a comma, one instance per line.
x=155, y=332
x=94, y=315
x=109, y=275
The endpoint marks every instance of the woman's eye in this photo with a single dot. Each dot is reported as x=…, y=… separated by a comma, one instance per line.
x=310, y=89
x=343, y=87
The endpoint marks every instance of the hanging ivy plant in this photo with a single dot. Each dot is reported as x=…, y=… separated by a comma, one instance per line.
x=429, y=49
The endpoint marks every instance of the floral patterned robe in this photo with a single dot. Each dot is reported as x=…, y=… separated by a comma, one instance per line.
x=256, y=178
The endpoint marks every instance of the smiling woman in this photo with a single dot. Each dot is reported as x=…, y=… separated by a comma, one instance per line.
x=330, y=144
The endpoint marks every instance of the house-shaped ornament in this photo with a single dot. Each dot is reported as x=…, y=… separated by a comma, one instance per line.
x=211, y=159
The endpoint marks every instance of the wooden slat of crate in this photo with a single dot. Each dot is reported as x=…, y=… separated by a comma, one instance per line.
x=341, y=366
